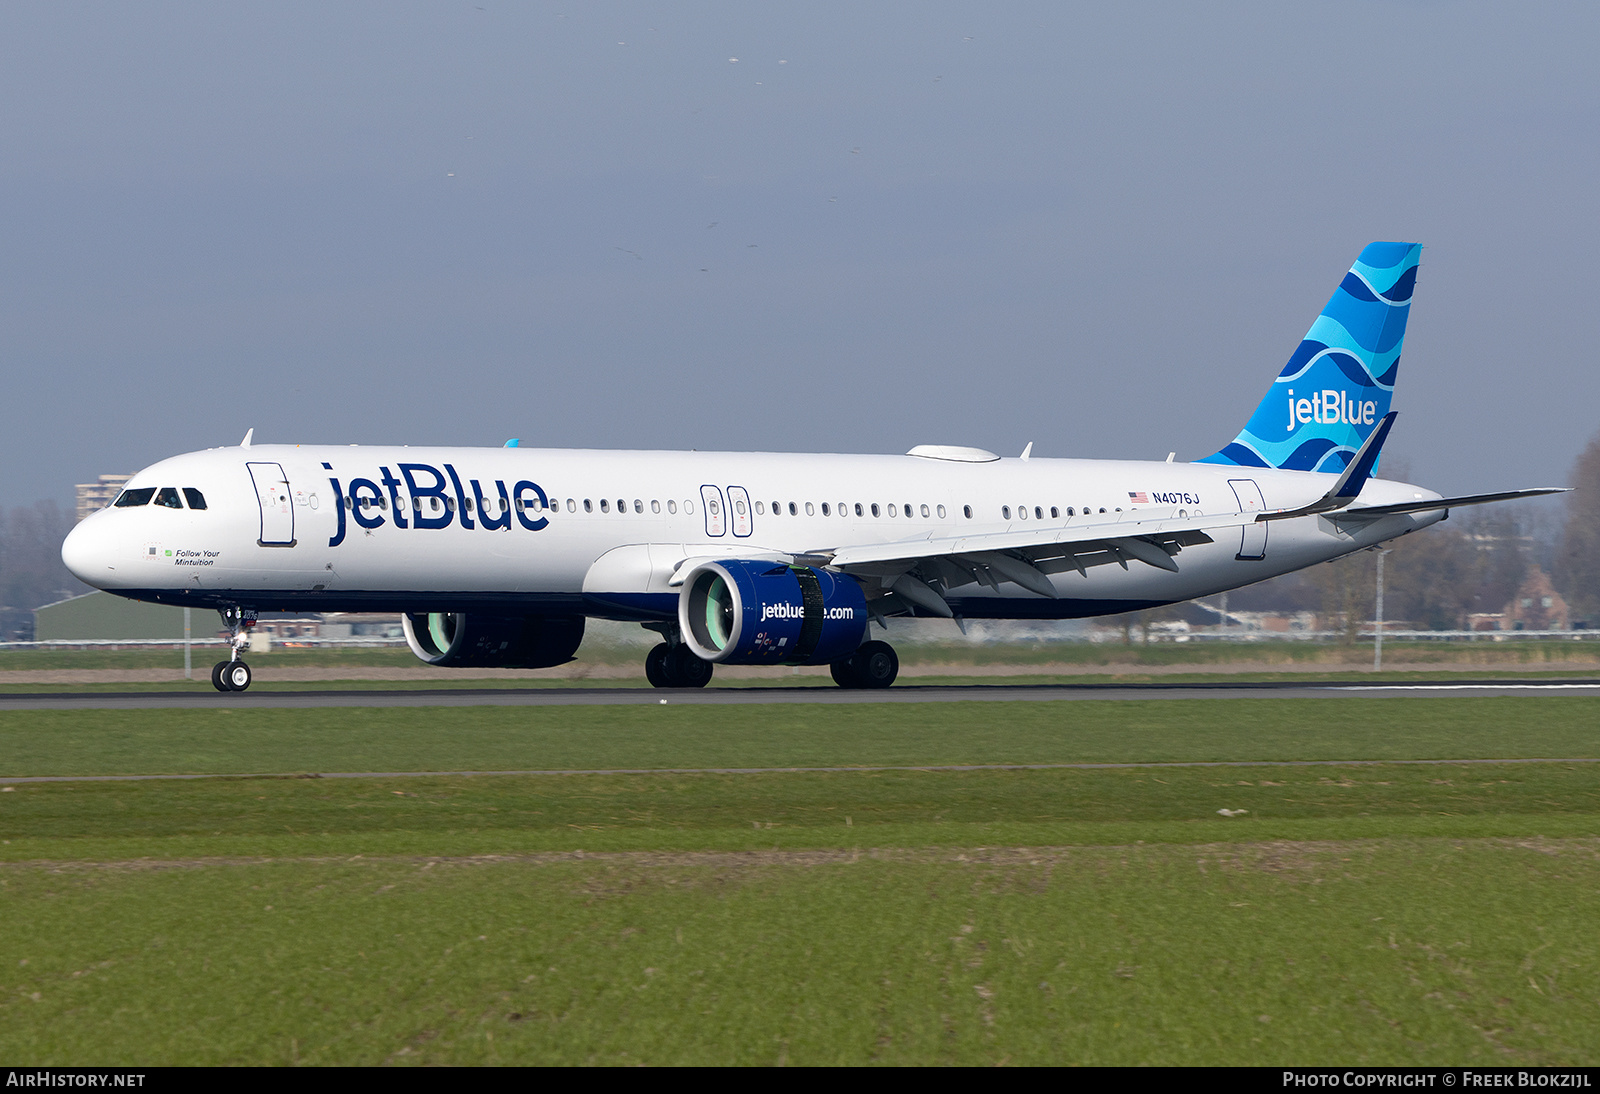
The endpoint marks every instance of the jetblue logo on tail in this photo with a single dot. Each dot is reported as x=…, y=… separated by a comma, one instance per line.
x=1330, y=407
x=1339, y=381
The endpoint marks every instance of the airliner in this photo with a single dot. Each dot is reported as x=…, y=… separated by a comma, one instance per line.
x=497, y=556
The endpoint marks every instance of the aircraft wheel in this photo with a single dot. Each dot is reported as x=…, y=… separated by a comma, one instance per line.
x=844, y=673
x=236, y=675
x=657, y=665
x=216, y=676
x=686, y=670
x=876, y=665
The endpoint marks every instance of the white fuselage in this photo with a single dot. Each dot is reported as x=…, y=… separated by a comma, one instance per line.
x=601, y=533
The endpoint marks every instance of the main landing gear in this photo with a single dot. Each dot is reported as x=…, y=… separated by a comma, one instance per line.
x=667, y=666
x=674, y=665
x=873, y=665
x=233, y=674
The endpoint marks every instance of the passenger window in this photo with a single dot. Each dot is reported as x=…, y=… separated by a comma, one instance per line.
x=1071, y=512
x=195, y=498
x=622, y=505
x=572, y=505
x=383, y=503
x=1005, y=512
x=688, y=506
x=941, y=512
x=467, y=504
x=672, y=507
x=1038, y=512
x=588, y=506
x=925, y=511
x=131, y=498
x=858, y=509
x=638, y=506
x=966, y=511
x=875, y=509
x=738, y=506
x=605, y=505
x=716, y=507
x=761, y=508
x=1054, y=513
x=168, y=496
x=810, y=510
x=825, y=511
x=655, y=506
x=449, y=503
x=349, y=503
x=892, y=511
x=1102, y=509
x=844, y=510
x=1022, y=512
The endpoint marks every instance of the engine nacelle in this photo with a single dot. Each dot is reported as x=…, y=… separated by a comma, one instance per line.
x=739, y=612
x=469, y=640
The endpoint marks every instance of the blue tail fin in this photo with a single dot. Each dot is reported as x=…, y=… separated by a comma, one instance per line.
x=1336, y=388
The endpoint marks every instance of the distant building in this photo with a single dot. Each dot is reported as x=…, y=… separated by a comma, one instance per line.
x=94, y=496
x=1537, y=606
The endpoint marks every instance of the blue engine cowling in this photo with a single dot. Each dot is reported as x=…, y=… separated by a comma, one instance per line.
x=469, y=640
x=739, y=612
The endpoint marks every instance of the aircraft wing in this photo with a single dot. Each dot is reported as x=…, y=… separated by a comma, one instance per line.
x=1175, y=531
x=917, y=572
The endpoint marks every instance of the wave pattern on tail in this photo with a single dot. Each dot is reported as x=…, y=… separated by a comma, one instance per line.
x=1338, y=383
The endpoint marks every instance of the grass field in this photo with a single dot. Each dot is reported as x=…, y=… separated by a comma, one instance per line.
x=1382, y=912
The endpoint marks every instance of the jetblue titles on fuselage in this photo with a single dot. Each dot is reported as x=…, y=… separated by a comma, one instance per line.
x=436, y=499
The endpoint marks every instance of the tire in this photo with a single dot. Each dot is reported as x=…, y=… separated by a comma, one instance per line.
x=236, y=675
x=216, y=676
x=657, y=666
x=686, y=670
x=844, y=673
x=876, y=665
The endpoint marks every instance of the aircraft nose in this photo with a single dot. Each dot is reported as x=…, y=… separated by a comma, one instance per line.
x=86, y=552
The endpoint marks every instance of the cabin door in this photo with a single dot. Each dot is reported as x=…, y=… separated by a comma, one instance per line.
x=277, y=507
x=1253, y=539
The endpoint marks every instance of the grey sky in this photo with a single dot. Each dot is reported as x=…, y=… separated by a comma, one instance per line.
x=1101, y=229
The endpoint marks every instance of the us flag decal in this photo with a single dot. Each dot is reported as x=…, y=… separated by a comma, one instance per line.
x=1141, y=498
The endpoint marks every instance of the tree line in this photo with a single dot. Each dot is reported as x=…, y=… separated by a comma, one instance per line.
x=31, y=571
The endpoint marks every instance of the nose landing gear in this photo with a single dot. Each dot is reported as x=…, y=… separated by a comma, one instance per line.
x=233, y=674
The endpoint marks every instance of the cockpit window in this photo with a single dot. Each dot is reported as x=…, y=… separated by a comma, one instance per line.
x=168, y=496
x=131, y=498
x=195, y=498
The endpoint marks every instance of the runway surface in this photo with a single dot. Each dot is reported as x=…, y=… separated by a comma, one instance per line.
x=982, y=693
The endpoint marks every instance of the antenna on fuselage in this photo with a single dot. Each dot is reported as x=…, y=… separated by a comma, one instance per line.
x=1026, y=452
x=251, y=432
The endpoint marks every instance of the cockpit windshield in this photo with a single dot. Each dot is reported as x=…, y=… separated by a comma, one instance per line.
x=167, y=496
x=130, y=498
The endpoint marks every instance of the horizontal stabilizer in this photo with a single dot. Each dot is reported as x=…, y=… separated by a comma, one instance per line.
x=1373, y=512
